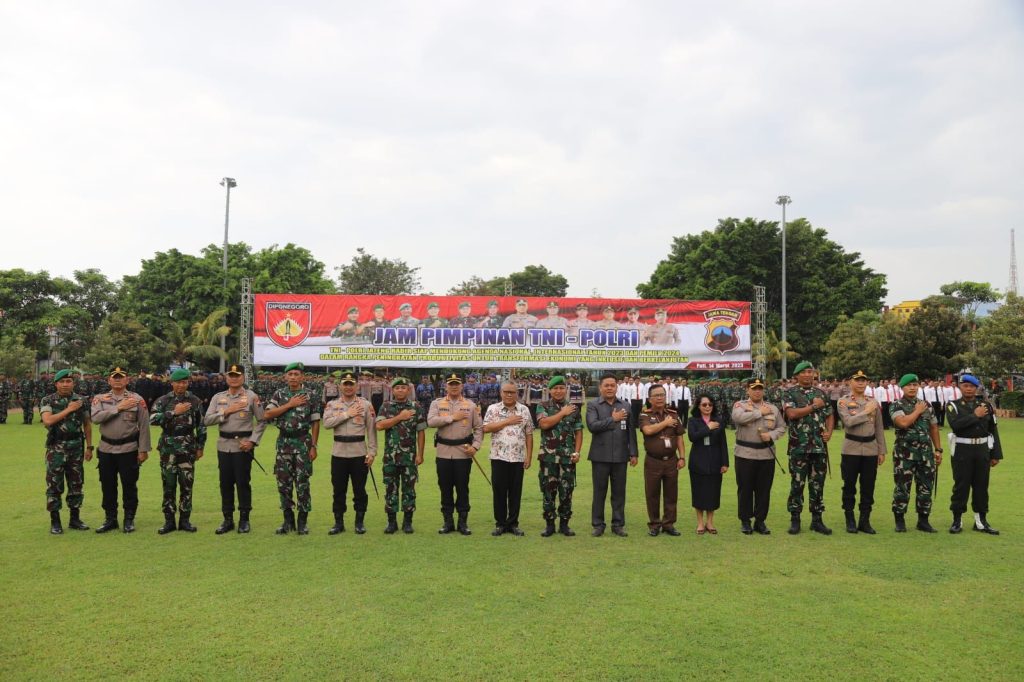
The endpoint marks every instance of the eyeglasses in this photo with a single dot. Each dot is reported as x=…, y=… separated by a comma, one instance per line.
x=706, y=405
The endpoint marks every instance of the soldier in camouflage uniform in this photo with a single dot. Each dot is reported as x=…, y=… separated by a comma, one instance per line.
x=181, y=443
x=367, y=330
x=297, y=413
x=912, y=458
x=811, y=421
x=5, y=398
x=350, y=327
x=492, y=320
x=560, y=441
x=404, y=423
x=69, y=432
x=464, y=320
x=432, y=321
x=27, y=397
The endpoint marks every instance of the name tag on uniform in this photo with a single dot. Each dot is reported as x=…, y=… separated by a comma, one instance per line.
x=668, y=443
x=707, y=440
x=622, y=425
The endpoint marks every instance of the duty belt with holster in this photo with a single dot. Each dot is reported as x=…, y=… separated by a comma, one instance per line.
x=235, y=434
x=754, y=445
x=134, y=438
x=860, y=439
x=468, y=440
x=349, y=439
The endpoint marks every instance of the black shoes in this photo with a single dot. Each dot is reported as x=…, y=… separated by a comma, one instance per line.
x=923, y=525
x=448, y=527
x=392, y=526
x=463, y=525
x=498, y=531
x=761, y=529
x=851, y=522
x=108, y=525
x=168, y=526
x=865, y=524
x=901, y=523
x=55, y=527
x=794, y=524
x=564, y=529
x=981, y=525
x=184, y=524
x=957, y=526
x=818, y=526
x=620, y=531
x=597, y=532
x=339, y=525
x=670, y=531
x=129, y=522
x=243, y=522
x=745, y=527
x=288, y=525
x=407, y=523
x=360, y=528
x=75, y=523
x=549, y=529
x=301, y=527
x=227, y=525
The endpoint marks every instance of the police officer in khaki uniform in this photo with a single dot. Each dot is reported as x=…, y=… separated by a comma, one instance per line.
x=758, y=425
x=607, y=320
x=123, y=421
x=459, y=435
x=661, y=333
x=863, y=451
x=355, y=447
x=520, y=319
x=581, y=321
x=238, y=413
x=553, y=319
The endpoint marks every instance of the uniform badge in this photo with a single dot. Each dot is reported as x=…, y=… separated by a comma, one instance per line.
x=288, y=323
x=721, y=326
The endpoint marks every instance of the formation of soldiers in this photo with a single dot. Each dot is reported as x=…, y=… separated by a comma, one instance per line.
x=355, y=407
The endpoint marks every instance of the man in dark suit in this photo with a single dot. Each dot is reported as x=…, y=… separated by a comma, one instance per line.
x=612, y=445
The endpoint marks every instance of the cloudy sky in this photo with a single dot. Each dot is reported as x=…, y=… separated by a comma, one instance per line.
x=474, y=138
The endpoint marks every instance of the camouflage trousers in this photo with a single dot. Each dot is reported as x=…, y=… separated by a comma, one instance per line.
x=64, y=464
x=907, y=471
x=177, y=476
x=395, y=476
x=26, y=412
x=557, y=479
x=809, y=470
x=293, y=471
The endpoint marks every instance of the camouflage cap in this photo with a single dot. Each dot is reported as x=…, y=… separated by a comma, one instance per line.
x=61, y=374
x=180, y=375
x=433, y=305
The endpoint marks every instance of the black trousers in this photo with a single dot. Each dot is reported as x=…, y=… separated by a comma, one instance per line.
x=835, y=412
x=343, y=469
x=886, y=417
x=754, y=478
x=507, y=480
x=602, y=471
x=940, y=414
x=971, y=469
x=636, y=406
x=235, y=472
x=453, y=480
x=126, y=467
x=376, y=400
x=865, y=468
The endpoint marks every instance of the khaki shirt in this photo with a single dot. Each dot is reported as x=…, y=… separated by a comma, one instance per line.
x=750, y=424
x=520, y=321
x=467, y=423
x=336, y=417
x=236, y=422
x=857, y=423
x=115, y=425
x=556, y=322
x=661, y=335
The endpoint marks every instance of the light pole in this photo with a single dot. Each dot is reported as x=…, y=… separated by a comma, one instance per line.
x=783, y=201
x=227, y=184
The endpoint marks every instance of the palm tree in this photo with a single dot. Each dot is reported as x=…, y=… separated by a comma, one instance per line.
x=204, y=341
x=772, y=354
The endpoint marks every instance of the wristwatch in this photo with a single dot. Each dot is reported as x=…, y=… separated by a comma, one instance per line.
x=939, y=450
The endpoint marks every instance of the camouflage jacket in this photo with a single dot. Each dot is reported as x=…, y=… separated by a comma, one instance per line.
x=71, y=429
x=559, y=441
x=26, y=390
x=183, y=433
x=296, y=423
x=400, y=439
x=805, y=433
x=914, y=442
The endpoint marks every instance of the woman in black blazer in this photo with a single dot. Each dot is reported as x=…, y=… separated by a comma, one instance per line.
x=709, y=459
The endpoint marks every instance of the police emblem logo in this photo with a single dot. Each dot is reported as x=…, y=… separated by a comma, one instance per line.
x=722, y=330
x=288, y=324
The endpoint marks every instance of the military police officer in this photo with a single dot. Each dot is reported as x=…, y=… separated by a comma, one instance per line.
x=69, y=434
x=976, y=451
x=181, y=444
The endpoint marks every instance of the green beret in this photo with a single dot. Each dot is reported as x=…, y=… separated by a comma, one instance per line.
x=61, y=374
x=802, y=366
x=405, y=306
x=180, y=375
x=379, y=306
x=908, y=379
x=491, y=302
x=465, y=304
x=295, y=365
x=556, y=381
x=433, y=304
x=353, y=309
x=399, y=381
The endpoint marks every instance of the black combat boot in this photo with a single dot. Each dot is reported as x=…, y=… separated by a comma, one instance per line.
x=463, y=526
x=794, y=524
x=957, y=524
x=360, y=528
x=301, y=527
x=760, y=528
x=407, y=523
x=55, y=527
x=497, y=532
x=865, y=523
x=449, y=525
x=851, y=522
x=339, y=525
x=392, y=526
x=549, y=530
x=129, y=521
x=75, y=523
x=564, y=529
x=109, y=524
x=981, y=525
x=228, y=524
x=818, y=526
x=746, y=528
x=289, y=523
x=184, y=523
x=243, y=522
x=901, y=523
x=168, y=526
x=923, y=525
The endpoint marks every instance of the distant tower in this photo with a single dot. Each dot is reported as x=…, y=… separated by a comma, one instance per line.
x=1013, y=265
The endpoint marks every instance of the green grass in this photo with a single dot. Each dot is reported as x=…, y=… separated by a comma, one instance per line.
x=425, y=607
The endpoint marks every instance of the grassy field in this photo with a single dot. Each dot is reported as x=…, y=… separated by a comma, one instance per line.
x=183, y=606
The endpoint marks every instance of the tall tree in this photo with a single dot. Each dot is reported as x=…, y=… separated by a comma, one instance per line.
x=1000, y=340
x=29, y=301
x=478, y=286
x=823, y=280
x=970, y=295
x=15, y=357
x=202, y=343
x=367, y=274
x=122, y=340
x=533, y=280
x=86, y=302
x=849, y=347
x=932, y=342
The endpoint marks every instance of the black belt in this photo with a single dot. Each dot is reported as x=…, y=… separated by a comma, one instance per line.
x=661, y=457
x=763, y=445
x=235, y=434
x=468, y=440
x=860, y=439
x=120, y=441
x=293, y=434
x=349, y=439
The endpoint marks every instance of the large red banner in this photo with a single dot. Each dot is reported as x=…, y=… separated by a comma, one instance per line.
x=475, y=331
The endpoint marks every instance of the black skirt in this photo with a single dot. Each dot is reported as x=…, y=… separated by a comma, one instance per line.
x=706, y=491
